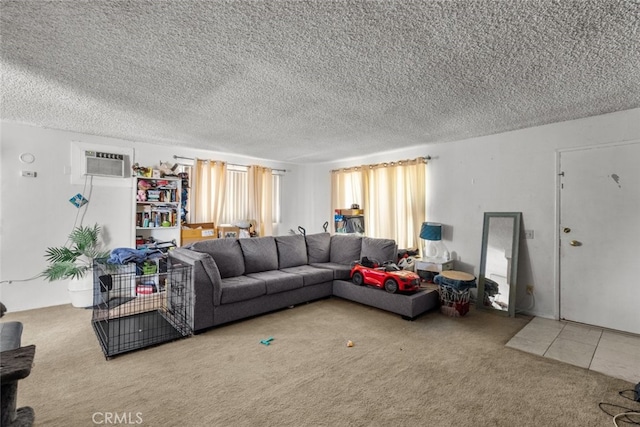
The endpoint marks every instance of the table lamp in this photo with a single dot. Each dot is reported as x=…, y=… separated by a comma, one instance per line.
x=433, y=249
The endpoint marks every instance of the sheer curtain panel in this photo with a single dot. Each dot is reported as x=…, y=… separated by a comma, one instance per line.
x=346, y=188
x=261, y=198
x=391, y=194
x=208, y=194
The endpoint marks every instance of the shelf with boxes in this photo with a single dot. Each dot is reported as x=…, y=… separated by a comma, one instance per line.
x=349, y=221
x=157, y=211
x=197, y=232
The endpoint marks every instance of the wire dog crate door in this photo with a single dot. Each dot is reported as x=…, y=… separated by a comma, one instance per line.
x=137, y=306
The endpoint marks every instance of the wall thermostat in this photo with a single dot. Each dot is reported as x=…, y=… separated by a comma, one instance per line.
x=27, y=158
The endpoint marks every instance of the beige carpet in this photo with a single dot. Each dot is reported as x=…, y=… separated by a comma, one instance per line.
x=435, y=371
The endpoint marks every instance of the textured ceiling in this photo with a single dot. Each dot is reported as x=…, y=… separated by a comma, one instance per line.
x=310, y=81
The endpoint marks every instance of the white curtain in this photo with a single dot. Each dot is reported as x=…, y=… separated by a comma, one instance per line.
x=346, y=188
x=393, y=198
x=261, y=199
x=236, y=206
x=208, y=193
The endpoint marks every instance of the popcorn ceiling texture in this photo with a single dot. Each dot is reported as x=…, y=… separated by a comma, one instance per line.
x=311, y=81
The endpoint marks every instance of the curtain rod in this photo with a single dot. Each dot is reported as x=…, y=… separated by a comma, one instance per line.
x=385, y=164
x=230, y=164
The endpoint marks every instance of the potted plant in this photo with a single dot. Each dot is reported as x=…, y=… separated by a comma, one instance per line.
x=74, y=260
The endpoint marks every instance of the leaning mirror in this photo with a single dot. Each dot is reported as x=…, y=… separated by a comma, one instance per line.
x=498, y=269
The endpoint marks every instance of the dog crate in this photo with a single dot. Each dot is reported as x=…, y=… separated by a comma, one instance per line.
x=140, y=305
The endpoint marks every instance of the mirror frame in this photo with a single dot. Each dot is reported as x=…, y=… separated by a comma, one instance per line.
x=517, y=220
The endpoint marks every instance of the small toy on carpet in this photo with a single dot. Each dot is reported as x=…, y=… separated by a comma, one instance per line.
x=266, y=341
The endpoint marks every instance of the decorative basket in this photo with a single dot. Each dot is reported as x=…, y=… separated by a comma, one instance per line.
x=453, y=303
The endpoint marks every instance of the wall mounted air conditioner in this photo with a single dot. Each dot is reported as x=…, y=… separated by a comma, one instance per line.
x=104, y=164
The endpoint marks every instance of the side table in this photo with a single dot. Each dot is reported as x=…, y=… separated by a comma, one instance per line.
x=15, y=365
x=428, y=269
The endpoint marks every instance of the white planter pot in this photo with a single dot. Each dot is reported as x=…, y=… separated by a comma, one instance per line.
x=81, y=291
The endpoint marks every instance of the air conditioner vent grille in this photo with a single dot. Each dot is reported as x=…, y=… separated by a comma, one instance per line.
x=104, y=164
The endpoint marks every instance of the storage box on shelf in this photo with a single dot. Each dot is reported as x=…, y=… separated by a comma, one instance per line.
x=349, y=221
x=139, y=305
x=351, y=212
x=157, y=212
x=228, y=231
x=197, y=232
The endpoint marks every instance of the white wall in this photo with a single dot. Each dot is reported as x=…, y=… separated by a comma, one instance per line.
x=35, y=213
x=513, y=171
x=508, y=172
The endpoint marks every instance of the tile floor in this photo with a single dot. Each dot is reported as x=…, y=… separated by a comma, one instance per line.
x=609, y=352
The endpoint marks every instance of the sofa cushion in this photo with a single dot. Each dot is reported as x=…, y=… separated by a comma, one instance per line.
x=292, y=250
x=226, y=253
x=318, y=247
x=345, y=248
x=260, y=254
x=381, y=250
x=311, y=275
x=278, y=281
x=241, y=288
x=340, y=271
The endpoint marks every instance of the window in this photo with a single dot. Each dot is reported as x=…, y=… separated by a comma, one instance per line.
x=236, y=202
x=392, y=196
x=234, y=184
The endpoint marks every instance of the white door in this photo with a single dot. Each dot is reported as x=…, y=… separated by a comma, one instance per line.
x=600, y=236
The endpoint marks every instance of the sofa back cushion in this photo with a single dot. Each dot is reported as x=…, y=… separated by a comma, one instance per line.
x=226, y=253
x=318, y=247
x=345, y=248
x=381, y=250
x=260, y=254
x=292, y=251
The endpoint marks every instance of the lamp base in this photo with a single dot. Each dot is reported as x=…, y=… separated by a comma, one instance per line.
x=435, y=251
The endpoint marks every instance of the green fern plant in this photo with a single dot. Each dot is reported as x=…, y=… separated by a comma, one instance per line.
x=74, y=261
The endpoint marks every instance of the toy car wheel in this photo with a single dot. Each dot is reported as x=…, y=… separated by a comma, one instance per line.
x=357, y=279
x=390, y=286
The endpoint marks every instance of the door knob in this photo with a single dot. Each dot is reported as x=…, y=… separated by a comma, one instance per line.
x=566, y=230
x=575, y=243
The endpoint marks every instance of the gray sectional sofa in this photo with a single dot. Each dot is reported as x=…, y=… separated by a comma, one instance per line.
x=239, y=278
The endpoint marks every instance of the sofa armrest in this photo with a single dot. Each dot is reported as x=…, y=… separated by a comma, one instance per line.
x=207, y=288
x=10, y=335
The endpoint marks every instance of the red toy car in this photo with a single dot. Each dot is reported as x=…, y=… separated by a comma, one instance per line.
x=388, y=276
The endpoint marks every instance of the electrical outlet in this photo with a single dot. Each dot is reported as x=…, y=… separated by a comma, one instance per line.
x=528, y=234
x=529, y=289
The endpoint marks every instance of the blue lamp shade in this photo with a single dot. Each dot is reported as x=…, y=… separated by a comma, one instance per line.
x=433, y=248
x=431, y=231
